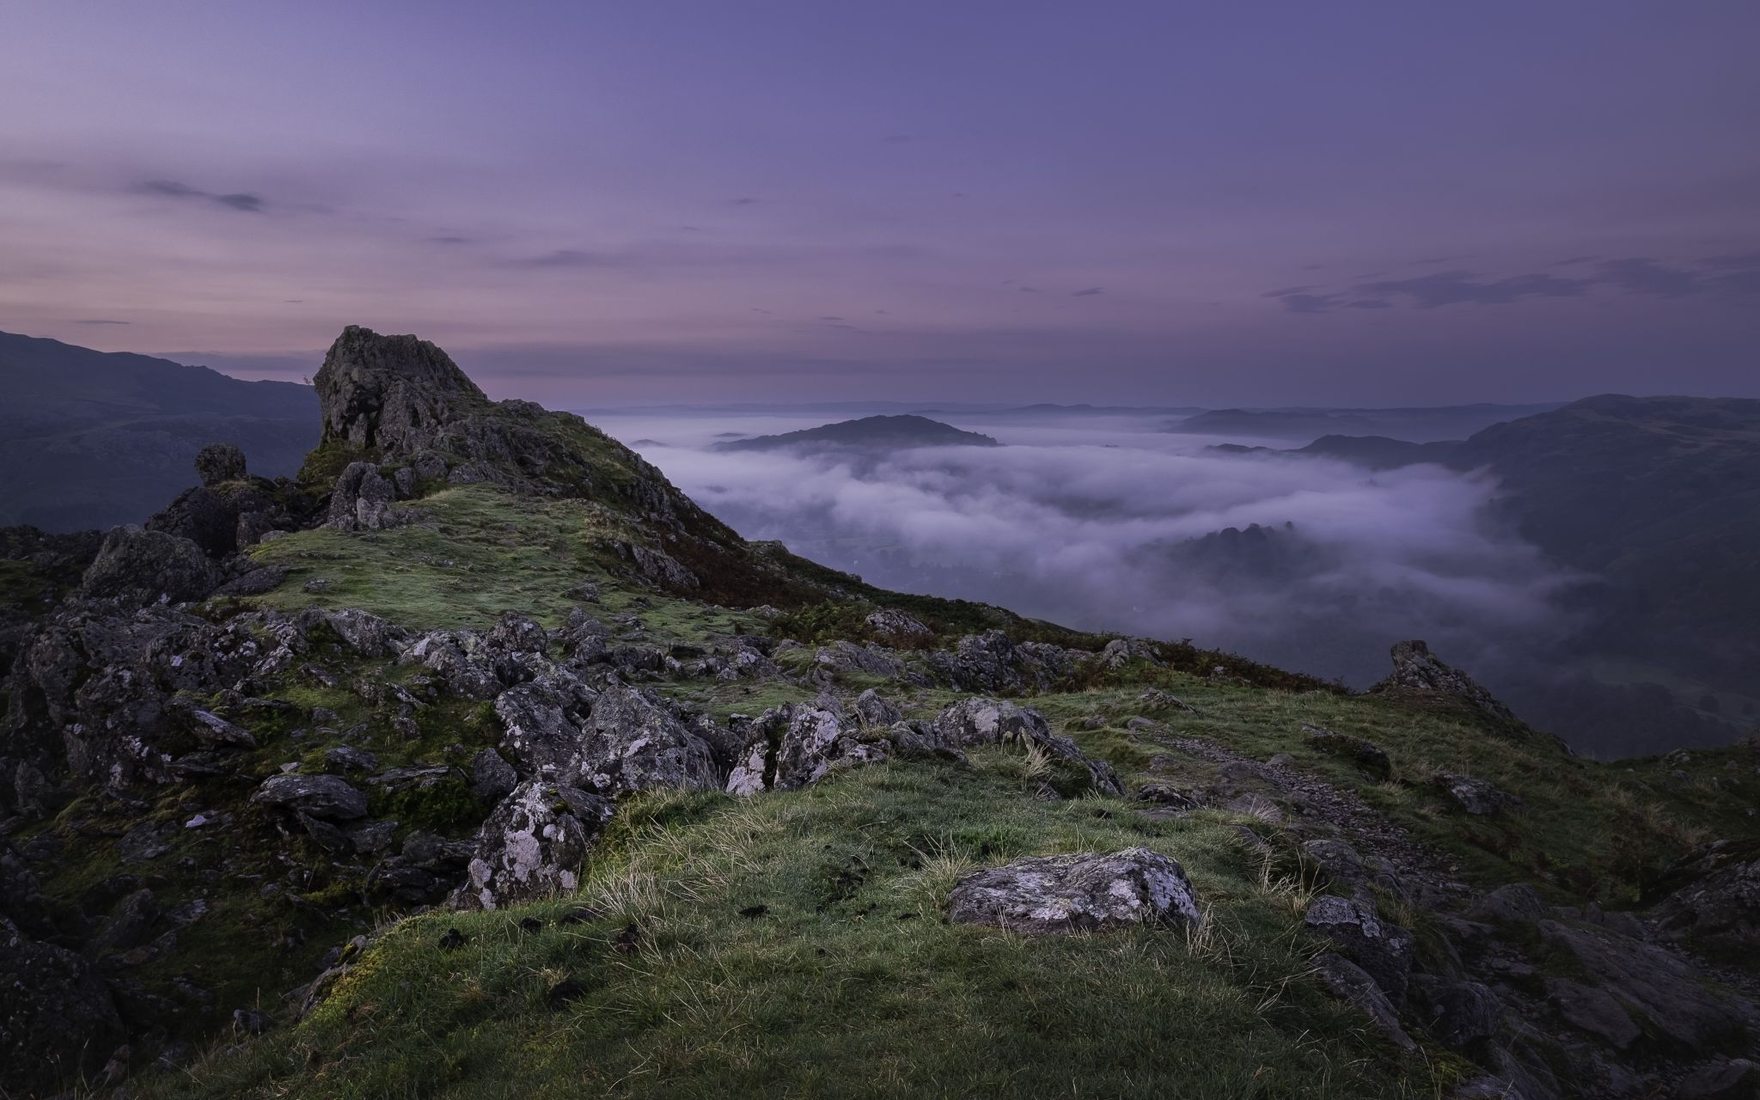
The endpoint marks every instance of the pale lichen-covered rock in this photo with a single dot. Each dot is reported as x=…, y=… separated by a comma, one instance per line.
x=611, y=741
x=637, y=743
x=1077, y=893
x=532, y=845
x=875, y=711
x=797, y=745
x=848, y=657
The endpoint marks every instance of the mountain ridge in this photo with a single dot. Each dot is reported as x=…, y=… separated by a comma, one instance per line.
x=488, y=764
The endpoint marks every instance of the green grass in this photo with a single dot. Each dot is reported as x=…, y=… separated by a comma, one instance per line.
x=849, y=983
x=473, y=553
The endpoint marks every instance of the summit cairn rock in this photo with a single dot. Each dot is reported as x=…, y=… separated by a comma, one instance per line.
x=392, y=394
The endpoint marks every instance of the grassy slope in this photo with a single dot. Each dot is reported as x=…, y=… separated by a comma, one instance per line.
x=849, y=982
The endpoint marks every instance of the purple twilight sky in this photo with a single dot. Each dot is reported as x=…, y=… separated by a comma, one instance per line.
x=1140, y=202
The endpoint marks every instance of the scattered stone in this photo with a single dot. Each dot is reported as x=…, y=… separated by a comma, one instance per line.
x=212, y=728
x=491, y=776
x=1120, y=652
x=979, y=721
x=1477, y=797
x=349, y=758
x=1077, y=893
x=324, y=797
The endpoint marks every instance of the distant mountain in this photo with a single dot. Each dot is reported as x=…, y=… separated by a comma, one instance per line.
x=1377, y=452
x=1658, y=500
x=1423, y=424
x=93, y=439
x=873, y=432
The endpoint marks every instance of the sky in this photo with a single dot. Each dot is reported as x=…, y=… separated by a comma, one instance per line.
x=1131, y=202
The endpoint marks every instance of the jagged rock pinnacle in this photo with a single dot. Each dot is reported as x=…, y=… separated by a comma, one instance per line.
x=390, y=393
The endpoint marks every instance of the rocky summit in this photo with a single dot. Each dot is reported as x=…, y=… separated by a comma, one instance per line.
x=477, y=760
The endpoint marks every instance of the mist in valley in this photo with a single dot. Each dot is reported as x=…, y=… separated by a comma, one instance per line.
x=1111, y=522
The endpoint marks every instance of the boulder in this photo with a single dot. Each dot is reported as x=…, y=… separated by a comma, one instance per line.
x=1120, y=652
x=874, y=711
x=491, y=776
x=457, y=657
x=1722, y=1079
x=993, y=662
x=361, y=499
x=141, y=566
x=532, y=845
x=796, y=745
x=1383, y=950
x=638, y=743
x=1717, y=909
x=324, y=797
x=220, y=462
x=1077, y=893
x=1645, y=982
x=895, y=628
x=979, y=721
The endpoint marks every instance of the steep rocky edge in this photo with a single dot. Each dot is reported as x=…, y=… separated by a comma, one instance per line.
x=477, y=760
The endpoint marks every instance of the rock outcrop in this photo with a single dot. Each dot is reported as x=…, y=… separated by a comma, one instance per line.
x=533, y=845
x=1077, y=893
x=391, y=395
x=1420, y=675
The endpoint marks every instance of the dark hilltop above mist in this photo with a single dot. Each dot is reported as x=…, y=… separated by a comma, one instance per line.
x=872, y=432
x=1424, y=423
x=91, y=438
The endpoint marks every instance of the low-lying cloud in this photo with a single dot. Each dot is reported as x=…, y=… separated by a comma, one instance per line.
x=1305, y=562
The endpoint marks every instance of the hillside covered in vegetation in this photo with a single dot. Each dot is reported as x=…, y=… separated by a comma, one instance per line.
x=478, y=761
